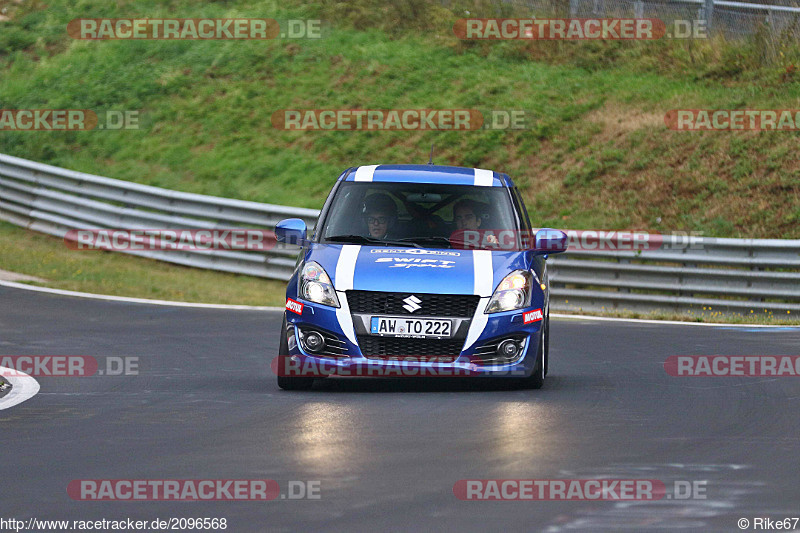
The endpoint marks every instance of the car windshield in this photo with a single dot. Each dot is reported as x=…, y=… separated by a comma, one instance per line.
x=418, y=214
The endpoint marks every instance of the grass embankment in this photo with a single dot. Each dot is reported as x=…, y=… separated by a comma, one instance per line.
x=598, y=154
x=124, y=275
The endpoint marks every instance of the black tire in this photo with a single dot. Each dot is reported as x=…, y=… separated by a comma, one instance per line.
x=547, y=341
x=536, y=379
x=285, y=382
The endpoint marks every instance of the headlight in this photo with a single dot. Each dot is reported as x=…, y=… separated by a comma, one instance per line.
x=316, y=286
x=514, y=292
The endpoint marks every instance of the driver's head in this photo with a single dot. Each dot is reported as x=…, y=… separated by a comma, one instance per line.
x=380, y=213
x=467, y=215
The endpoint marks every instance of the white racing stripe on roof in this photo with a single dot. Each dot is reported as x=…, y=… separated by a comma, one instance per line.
x=484, y=178
x=365, y=173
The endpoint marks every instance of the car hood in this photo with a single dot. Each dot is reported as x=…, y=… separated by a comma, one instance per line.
x=431, y=271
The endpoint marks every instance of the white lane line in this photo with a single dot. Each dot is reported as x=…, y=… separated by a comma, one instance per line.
x=62, y=292
x=106, y=297
x=23, y=387
x=662, y=322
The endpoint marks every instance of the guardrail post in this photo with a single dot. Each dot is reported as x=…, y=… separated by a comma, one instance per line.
x=622, y=260
x=708, y=14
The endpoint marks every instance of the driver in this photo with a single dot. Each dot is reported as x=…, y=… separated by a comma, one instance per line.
x=379, y=214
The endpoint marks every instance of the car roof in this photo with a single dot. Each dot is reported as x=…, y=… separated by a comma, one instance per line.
x=440, y=174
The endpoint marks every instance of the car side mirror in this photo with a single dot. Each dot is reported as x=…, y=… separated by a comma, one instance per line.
x=291, y=231
x=550, y=241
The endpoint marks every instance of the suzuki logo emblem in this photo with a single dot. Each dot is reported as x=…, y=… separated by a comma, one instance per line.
x=412, y=304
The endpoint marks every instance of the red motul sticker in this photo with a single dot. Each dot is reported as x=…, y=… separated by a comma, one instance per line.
x=294, y=307
x=529, y=316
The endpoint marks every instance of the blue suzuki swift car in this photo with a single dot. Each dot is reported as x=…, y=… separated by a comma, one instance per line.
x=435, y=267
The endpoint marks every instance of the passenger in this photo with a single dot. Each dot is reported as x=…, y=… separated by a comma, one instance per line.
x=468, y=215
x=380, y=215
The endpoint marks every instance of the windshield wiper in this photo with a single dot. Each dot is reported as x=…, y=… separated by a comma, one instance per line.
x=360, y=239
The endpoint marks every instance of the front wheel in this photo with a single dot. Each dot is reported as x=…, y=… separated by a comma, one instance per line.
x=286, y=382
x=547, y=340
x=536, y=379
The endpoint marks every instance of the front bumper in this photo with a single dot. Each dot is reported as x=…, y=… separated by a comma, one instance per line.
x=466, y=354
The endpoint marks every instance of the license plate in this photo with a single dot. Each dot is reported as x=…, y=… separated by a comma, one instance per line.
x=411, y=327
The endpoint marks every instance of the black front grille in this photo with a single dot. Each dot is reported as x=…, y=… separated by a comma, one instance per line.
x=391, y=303
x=443, y=351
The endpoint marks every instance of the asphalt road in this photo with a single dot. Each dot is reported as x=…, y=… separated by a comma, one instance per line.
x=387, y=453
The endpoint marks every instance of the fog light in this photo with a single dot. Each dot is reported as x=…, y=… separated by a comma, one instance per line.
x=508, y=349
x=314, y=342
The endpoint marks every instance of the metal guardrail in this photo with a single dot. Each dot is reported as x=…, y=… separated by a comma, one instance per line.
x=702, y=275
x=731, y=18
x=53, y=200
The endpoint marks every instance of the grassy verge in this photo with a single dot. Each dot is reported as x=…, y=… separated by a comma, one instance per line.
x=598, y=154
x=28, y=252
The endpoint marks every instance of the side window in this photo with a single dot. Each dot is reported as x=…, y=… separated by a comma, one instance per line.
x=520, y=206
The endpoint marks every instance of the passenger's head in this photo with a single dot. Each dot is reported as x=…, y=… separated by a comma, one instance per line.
x=467, y=214
x=380, y=214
